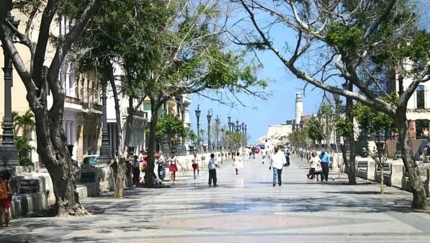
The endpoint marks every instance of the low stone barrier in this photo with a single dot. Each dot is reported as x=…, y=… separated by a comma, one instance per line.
x=393, y=172
x=386, y=173
x=202, y=158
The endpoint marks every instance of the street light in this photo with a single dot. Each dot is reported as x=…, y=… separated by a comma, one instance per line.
x=105, y=153
x=229, y=123
x=246, y=128
x=209, y=116
x=198, y=112
x=8, y=151
x=217, y=122
x=243, y=133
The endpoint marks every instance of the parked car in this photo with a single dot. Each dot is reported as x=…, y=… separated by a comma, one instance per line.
x=257, y=150
x=91, y=160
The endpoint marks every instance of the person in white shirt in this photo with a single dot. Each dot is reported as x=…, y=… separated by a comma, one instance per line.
x=160, y=161
x=277, y=161
x=212, y=165
x=237, y=163
x=195, y=165
x=314, y=163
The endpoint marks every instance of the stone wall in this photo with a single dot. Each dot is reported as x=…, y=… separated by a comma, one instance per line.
x=394, y=173
x=185, y=162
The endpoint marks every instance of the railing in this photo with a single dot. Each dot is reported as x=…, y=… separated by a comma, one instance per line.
x=72, y=100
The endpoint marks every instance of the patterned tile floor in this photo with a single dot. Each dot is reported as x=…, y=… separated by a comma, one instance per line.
x=244, y=208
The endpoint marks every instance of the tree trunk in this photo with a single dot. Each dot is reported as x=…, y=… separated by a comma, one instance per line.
x=52, y=147
x=351, y=170
x=381, y=186
x=149, y=172
x=419, y=200
x=120, y=167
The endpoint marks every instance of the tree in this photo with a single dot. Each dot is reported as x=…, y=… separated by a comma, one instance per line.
x=360, y=42
x=314, y=130
x=192, y=136
x=298, y=138
x=52, y=146
x=111, y=42
x=172, y=126
x=378, y=125
x=197, y=59
x=25, y=122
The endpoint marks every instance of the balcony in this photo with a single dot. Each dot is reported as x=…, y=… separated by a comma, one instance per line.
x=92, y=107
x=72, y=103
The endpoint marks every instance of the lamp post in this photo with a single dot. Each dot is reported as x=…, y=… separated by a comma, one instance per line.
x=217, y=123
x=209, y=116
x=105, y=153
x=198, y=112
x=246, y=127
x=8, y=151
x=243, y=133
x=229, y=123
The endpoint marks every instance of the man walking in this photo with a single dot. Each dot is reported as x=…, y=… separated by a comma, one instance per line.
x=277, y=161
x=212, y=165
x=325, y=163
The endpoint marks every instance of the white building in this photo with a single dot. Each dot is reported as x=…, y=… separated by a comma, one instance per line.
x=137, y=139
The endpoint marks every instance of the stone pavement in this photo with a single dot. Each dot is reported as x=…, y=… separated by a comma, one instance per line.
x=244, y=208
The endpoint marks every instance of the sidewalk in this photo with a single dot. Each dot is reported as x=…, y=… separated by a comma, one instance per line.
x=244, y=208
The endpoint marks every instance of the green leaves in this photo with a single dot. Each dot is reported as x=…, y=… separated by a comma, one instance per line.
x=171, y=125
x=315, y=129
x=343, y=126
x=372, y=121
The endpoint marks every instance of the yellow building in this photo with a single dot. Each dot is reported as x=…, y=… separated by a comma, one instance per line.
x=82, y=108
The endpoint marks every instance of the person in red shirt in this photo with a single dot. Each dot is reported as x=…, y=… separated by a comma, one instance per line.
x=5, y=198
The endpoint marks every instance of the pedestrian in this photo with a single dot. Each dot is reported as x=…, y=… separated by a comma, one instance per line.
x=237, y=163
x=5, y=198
x=136, y=170
x=325, y=164
x=160, y=163
x=313, y=164
x=173, y=167
x=212, y=165
x=277, y=161
x=195, y=165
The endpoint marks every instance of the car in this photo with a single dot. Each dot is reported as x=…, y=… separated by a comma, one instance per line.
x=256, y=150
x=91, y=159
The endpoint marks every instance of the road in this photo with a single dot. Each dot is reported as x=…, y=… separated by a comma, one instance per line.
x=244, y=208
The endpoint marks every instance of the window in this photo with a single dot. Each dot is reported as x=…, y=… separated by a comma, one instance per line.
x=420, y=97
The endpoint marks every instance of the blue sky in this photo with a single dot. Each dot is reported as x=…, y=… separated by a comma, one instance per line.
x=278, y=108
x=281, y=105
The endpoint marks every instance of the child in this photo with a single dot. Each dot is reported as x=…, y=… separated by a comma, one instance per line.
x=5, y=198
x=212, y=165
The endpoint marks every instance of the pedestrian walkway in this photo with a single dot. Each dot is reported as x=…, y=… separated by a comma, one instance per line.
x=244, y=208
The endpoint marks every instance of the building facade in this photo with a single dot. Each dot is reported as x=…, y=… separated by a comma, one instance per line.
x=179, y=106
x=82, y=111
x=138, y=137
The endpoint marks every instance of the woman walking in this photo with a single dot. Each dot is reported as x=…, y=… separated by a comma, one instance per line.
x=173, y=167
x=237, y=163
x=314, y=162
x=195, y=166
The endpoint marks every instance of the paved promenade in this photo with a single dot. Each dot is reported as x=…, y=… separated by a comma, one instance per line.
x=245, y=208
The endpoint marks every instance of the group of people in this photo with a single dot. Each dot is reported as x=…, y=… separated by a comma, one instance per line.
x=319, y=166
x=139, y=164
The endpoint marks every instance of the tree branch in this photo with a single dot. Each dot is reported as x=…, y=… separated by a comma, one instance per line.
x=290, y=65
x=42, y=40
x=66, y=44
x=379, y=20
